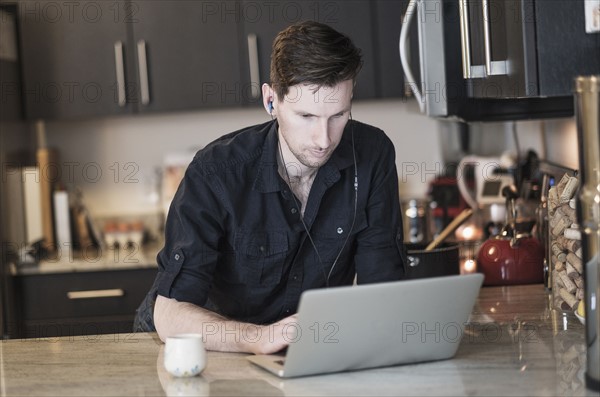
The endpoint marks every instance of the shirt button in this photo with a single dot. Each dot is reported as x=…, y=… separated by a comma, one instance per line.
x=287, y=311
x=177, y=257
x=294, y=210
x=262, y=248
x=294, y=277
x=340, y=230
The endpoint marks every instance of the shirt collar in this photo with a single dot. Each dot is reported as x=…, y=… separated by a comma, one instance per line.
x=267, y=178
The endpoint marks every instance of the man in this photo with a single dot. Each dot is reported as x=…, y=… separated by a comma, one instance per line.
x=306, y=200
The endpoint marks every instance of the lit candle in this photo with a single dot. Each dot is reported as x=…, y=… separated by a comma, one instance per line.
x=468, y=232
x=468, y=266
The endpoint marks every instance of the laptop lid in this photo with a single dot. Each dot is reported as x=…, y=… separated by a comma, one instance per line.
x=375, y=325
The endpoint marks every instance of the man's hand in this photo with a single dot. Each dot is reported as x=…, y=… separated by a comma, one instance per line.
x=219, y=333
x=275, y=337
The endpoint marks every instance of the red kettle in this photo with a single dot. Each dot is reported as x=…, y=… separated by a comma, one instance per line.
x=512, y=257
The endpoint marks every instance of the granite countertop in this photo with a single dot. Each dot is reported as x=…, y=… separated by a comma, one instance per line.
x=514, y=344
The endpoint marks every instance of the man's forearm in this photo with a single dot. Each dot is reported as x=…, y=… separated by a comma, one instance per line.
x=219, y=333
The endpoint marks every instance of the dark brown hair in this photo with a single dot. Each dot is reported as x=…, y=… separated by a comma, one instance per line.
x=312, y=53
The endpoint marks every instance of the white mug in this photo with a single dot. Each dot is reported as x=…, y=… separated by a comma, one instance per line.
x=185, y=355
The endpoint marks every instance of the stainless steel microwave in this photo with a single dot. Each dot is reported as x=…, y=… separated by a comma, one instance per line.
x=494, y=60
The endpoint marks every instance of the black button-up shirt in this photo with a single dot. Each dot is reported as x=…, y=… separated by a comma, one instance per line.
x=234, y=240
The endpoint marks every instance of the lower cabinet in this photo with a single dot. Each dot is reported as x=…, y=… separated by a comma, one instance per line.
x=82, y=303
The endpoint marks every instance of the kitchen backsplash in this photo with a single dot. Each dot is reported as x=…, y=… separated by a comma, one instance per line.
x=114, y=161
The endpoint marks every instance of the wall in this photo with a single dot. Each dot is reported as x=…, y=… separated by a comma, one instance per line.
x=115, y=160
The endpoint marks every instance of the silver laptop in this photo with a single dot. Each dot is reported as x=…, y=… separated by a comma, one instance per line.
x=376, y=325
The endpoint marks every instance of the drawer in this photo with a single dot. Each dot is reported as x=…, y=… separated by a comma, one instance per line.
x=85, y=294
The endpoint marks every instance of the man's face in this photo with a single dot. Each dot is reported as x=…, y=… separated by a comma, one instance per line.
x=311, y=124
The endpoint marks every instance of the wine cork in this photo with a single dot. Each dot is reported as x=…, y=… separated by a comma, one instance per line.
x=569, y=212
x=571, y=233
x=567, y=244
x=561, y=225
x=560, y=186
x=569, y=190
x=572, y=273
x=552, y=200
x=569, y=285
x=553, y=221
x=557, y=250
x=558, y=265
x=574, y=261
x=569, y=298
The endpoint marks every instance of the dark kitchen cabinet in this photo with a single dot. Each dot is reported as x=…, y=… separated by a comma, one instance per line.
x=389, y=74
x=74, y=58
x=79, y=303
x=262, y=20
x=10, y=94
x=95, y=58
x=535, y=48
x=10, y=78
x=186, y=55
x=98, y=58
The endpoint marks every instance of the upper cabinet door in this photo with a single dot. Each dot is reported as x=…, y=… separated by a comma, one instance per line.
x=264, y=19
x=186, y=55
x=564, y=48
x=96, y=58
x=390, y=75
x=10, y=79
x=529, y=48
x=74, y=57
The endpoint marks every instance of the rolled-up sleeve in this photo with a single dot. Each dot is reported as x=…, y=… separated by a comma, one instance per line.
x=192, y=233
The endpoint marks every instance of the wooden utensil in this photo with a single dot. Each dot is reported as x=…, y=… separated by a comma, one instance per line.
x=456, y=222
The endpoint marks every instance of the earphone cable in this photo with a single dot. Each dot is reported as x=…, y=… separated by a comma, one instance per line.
x=355, y=206
x=301, y=215
x=326, y=276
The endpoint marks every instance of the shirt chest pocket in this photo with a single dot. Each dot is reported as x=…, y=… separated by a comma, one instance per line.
x=331, y=236
x=261, y=255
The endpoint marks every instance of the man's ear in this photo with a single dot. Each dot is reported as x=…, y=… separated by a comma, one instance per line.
x=268, y=98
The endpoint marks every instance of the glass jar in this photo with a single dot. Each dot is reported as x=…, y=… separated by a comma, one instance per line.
x=416, y=221
x=587, y=100
x=564, y=244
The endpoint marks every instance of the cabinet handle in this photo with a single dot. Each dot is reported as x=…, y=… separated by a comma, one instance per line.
x=492, y=68
x=469, y=71
x=120, y=74
x=254, y=66
x=98, y=293
x=143, y=70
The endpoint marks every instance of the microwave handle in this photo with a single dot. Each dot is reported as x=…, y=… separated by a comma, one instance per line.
x=470, y=71
x=492, y=68
x=411, y=11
